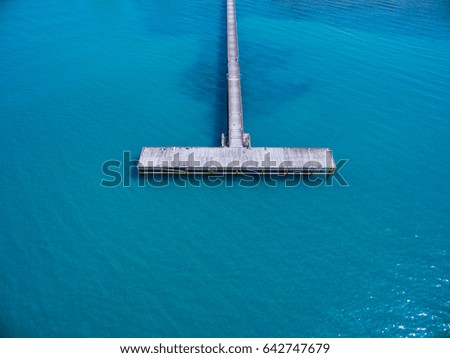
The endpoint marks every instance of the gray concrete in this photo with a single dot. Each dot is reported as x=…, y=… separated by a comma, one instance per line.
x=236, y=159
x=236, y=154
x=235, y=117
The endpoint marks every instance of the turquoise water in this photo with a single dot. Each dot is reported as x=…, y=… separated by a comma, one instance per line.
x=83, y=81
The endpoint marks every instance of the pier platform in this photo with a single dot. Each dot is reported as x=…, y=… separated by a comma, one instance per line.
x=235, y=160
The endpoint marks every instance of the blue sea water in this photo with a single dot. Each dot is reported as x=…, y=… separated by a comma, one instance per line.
x=83, y=81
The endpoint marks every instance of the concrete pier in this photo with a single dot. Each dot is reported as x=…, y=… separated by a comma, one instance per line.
x=236, y=155
x=235, y=117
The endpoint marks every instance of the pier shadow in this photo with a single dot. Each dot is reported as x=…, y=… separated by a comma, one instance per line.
x=246, y=181
x=207, y=76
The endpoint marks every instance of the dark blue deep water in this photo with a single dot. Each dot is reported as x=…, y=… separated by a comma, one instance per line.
x=83, y=81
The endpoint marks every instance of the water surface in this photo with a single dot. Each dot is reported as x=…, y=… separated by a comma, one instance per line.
x=81, y=82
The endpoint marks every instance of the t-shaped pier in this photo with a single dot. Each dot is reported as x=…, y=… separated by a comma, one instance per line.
x=236, y=154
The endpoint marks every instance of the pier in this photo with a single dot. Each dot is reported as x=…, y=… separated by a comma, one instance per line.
x=235, y=155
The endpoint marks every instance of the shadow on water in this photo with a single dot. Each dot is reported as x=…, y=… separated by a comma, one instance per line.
x=207, y=77
x=270, y=82
x=247, y=180
x=220, y=105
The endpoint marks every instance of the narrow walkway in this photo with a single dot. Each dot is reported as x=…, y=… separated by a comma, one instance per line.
x=235, y=118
